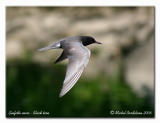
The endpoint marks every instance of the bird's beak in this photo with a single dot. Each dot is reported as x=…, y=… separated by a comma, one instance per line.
x=98, y=42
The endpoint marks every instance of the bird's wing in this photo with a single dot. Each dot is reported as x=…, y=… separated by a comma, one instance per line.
x=62, y=57
x=77, y=62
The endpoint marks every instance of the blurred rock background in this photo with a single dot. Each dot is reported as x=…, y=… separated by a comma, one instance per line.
x=120, y=72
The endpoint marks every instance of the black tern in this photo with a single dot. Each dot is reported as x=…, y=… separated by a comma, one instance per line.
x=74, y=49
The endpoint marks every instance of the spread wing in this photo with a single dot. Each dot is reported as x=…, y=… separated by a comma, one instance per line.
x=77, y=62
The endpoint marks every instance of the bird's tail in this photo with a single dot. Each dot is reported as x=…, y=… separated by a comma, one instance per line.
x=45, y=48
x=52, y=46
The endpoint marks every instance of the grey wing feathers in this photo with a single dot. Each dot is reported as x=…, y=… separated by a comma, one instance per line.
x=67, y=85
x=74, y=70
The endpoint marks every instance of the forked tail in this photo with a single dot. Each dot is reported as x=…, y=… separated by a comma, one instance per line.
x=52, y=46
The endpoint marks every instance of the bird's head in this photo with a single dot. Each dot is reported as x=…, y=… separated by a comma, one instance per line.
x=87, y=40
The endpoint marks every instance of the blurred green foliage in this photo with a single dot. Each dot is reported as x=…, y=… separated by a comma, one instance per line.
x=33, y=87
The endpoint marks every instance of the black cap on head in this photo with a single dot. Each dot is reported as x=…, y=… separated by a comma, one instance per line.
x=87, y=40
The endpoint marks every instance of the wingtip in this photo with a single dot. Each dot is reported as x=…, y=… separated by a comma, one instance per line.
x=56, y=62
x=61, y=95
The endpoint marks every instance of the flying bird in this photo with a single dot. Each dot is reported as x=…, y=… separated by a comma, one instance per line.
x=73, y=49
